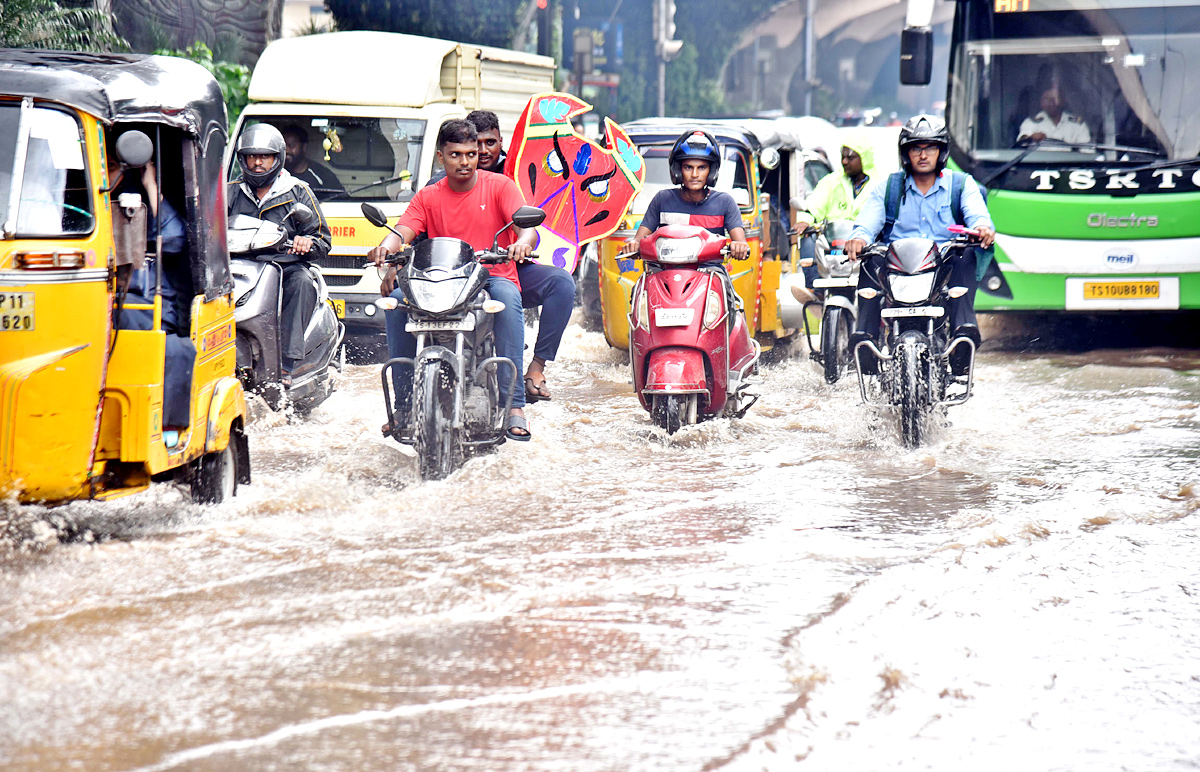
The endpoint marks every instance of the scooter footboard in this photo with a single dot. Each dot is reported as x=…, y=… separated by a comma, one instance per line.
x=676, y=370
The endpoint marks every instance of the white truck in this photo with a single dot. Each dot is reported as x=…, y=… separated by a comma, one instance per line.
x=369, y=106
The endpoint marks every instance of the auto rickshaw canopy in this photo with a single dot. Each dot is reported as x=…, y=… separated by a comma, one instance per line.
x=145, y=89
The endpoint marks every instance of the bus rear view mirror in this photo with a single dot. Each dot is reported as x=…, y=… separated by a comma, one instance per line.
x=916, y=56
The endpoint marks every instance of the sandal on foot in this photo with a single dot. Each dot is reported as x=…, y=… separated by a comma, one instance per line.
x=517, y=422
x=535, y=392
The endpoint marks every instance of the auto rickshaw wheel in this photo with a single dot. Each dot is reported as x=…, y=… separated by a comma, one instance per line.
x=215, y=478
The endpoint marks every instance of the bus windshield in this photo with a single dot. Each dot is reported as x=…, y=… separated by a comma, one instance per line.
x=1086, y=80
x=49, y=196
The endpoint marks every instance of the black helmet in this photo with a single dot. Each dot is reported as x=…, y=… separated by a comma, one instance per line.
x=261, y=139
x=924, y=128
x=699, y=145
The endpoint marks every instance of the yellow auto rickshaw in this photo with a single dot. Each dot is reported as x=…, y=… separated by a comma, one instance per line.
x=756, y=280
x=108, y=380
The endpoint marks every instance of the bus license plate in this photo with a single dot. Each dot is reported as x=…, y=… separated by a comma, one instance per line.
x=16, y=311
x=673, y=317
x=1120, y=290
x=339, y=307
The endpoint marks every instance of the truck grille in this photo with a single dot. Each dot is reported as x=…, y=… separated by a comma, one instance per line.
x=344, y=262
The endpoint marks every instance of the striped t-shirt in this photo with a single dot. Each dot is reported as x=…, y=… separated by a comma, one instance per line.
x=718, y=212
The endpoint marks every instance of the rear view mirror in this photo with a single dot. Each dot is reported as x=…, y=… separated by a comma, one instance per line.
x=769, y=158
x=374, y=215
x=134, y=149
x=916, y=56
x=302, y=216
x=527, y=217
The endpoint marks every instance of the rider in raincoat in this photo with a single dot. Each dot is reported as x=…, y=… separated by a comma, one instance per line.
x=838, y=196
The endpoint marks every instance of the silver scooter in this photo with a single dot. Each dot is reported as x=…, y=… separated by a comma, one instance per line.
x=258, y=302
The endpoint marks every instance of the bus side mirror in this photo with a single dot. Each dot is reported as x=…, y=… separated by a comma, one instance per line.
x=916, y=56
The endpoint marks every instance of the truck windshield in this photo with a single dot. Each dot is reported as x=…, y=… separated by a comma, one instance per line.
x=1091, y=80
x=351, y=158
x=50, y=195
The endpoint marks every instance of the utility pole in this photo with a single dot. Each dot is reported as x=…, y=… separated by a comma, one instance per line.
x=810, y=9
x=665, y=46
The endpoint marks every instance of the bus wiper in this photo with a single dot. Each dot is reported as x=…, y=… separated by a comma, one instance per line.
x=1163, y=165
x=1036, y=143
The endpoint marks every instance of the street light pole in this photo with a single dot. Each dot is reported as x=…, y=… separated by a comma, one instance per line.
x=810, y=9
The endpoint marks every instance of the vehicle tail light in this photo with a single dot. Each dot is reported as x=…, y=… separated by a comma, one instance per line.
x=55, y=260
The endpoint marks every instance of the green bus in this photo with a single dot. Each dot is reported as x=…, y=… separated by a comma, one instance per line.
x=1077, y=117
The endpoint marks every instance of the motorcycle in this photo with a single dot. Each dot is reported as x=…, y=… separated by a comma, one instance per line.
x=914, y=374
x=838, y=278
x=258, y=293
x=691, y=353
x=456, y=408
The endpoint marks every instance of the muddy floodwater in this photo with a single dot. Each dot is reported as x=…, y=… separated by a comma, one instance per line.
x=792, y=590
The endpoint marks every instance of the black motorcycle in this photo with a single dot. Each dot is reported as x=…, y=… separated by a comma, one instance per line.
x=456, y=409
x=914, y=374
x=258, y=299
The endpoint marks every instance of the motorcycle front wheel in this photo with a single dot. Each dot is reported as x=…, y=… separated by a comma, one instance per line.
x=436, y=443
x=835, y=342
x=911, y=361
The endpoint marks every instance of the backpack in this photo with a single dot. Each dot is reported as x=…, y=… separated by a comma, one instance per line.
x=895, y=191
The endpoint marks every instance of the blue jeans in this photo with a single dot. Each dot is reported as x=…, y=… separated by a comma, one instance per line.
x=510, y=341
x=554, y=290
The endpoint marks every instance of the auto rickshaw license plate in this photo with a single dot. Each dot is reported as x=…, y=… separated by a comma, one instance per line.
x=339, y=307
x=1120, y=290
x=16, y=311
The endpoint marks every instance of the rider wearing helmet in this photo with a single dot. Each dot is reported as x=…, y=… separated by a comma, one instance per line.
x=695, y=161
x=267, y=191
x=925, y=211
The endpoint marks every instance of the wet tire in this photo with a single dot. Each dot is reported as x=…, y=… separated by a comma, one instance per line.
x=670, y=411
x=912, y=355
x=437, y=448
x=835, y=343
x=215, y=478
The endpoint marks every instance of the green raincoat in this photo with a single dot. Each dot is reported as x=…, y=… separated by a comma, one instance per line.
x=833, y=198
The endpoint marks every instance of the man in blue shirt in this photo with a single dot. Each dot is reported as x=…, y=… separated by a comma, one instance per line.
x=925, y=212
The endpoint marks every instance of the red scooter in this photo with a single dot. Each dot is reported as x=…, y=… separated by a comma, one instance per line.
x=692, y=355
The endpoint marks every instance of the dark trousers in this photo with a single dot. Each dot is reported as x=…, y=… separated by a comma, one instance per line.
x=962, y=310
x=299, y=302
x=180, y=362
x=554, y=290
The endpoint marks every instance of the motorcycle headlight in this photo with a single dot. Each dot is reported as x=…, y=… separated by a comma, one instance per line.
x=435, y=296
x=678, y=251
x=911, y=289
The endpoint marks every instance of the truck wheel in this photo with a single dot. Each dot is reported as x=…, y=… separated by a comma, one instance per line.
x=215, y=478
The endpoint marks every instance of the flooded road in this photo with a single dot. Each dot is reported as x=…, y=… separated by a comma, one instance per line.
x=791, y=590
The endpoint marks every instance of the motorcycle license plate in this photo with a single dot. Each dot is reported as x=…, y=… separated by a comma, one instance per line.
x=339, y=307
x=450, y=325
x=1120, y=290
x=16, y=311
x=893, y=313
x=673, y=317
x=830, y=283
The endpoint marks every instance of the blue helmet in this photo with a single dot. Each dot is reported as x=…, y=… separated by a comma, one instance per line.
x=699, y=145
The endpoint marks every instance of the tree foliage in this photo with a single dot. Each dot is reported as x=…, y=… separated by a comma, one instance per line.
x=48, y=24
x=234, y=79
x=484, y=22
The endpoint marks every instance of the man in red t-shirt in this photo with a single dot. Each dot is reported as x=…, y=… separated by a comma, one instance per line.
x=470, y=205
